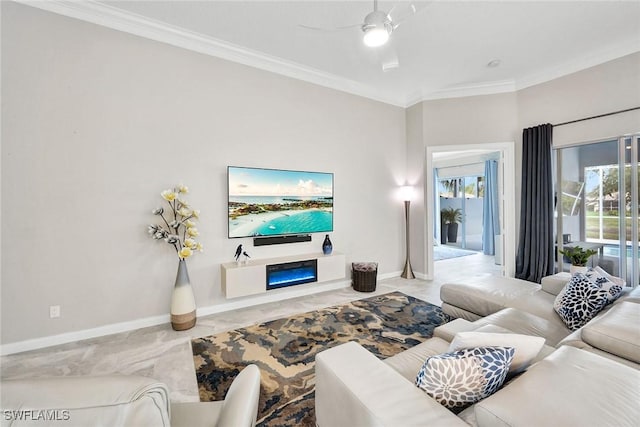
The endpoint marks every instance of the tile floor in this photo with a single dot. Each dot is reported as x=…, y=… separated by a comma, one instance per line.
x=164, y=354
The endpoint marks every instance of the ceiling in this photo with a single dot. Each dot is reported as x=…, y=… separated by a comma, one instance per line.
x=442, y=50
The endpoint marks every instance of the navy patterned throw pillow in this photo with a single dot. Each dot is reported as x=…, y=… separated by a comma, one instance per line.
x=580, y=301
x=613, y=289
x=461, y=378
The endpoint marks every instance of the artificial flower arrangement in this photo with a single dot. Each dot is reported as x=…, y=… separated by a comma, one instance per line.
x=179, y=228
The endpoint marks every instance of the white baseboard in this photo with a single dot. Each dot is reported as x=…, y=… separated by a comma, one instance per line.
x=421, y=276
x=84, y=334
x=114, y=328
x=272, y=296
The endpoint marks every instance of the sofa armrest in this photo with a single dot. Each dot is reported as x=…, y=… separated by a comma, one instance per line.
x=629, y=295
x=555, y=283
x=239, y=407
x=484, y=297
x=355, y=388
x=447, y=331
x=78, y=401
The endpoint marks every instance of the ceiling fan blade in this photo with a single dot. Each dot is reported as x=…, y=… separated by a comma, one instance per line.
x=346, y=27
x=401, y=11
x=391, y=65
x=388, y=58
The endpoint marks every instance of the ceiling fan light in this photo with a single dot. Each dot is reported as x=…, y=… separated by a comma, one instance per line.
x=376, y=36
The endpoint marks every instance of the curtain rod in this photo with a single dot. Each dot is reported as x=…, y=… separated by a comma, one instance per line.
x=596, y=117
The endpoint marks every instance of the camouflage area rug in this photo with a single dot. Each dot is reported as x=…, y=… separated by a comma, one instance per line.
x=285, y=350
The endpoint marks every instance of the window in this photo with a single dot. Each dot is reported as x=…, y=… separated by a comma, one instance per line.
x=598, y=205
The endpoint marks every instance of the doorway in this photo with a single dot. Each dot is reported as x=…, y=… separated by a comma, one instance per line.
x=506, y=168
x=461, y=209
x=451, y=156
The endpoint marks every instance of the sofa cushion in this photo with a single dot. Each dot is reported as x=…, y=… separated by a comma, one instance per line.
x=461, y=378
x=539, y=303
x=526, y=347
x=408, y=362
x=488, y=296
x=616, y=331
x=571, y=387
x=522, y=322
x=580, y=301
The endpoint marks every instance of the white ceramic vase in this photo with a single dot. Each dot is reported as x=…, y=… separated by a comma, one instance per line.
x=578, y=269
x=183, y=303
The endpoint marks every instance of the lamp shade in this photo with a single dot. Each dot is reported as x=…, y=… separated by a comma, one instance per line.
x=406, y=192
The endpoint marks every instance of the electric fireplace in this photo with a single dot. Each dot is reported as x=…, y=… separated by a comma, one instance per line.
x=292, y=273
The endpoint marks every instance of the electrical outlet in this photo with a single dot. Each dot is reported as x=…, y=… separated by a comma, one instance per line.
x=54, y=311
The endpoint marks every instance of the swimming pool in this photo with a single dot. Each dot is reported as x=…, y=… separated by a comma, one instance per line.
x=614, y=251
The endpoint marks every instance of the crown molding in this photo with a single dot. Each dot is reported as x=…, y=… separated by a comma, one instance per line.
x=488, y=88
x=606, y=55
x=485, y=88
x=492, y=88
x=114, y=18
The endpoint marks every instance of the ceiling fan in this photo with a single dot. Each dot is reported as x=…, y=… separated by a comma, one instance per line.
x=377, y=25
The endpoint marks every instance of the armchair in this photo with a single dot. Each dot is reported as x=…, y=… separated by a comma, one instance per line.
x=123, y=400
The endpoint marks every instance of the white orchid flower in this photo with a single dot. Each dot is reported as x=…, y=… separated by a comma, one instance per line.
x=168, y=195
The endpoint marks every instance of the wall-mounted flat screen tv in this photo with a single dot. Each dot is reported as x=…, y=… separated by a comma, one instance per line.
x=274, y=202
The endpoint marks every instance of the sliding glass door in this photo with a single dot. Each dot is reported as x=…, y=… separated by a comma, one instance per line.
x=629, y=186
x=597, y=203
x=465, y=194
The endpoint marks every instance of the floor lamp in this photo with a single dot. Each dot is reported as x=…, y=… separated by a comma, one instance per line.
x=407, y=194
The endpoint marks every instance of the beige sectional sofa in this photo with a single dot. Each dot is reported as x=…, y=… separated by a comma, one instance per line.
x=527, y=308
x=589, y=377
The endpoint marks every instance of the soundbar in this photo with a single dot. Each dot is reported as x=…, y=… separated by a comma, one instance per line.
x=277, y=240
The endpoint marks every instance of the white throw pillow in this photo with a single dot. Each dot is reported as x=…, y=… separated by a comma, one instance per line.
x=526, y=347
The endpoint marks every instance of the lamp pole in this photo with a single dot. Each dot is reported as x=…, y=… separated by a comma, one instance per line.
x=407, y=273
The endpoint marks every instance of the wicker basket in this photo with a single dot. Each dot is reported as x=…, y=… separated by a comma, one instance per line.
x=364, y=276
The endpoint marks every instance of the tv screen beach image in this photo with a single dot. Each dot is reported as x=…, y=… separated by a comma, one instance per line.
x=270, y=202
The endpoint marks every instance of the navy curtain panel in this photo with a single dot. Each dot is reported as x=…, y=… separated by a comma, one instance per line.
x=535, y=246
x=490, y=208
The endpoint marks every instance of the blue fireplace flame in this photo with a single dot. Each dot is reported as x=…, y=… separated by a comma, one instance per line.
x=290, y=274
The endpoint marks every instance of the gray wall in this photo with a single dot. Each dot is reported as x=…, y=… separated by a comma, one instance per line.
x=97, y=122
x=458, y=121
x=415, y=177
x=607, y=87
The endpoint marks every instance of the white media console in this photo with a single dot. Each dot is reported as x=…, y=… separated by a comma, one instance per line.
x=243, y=279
